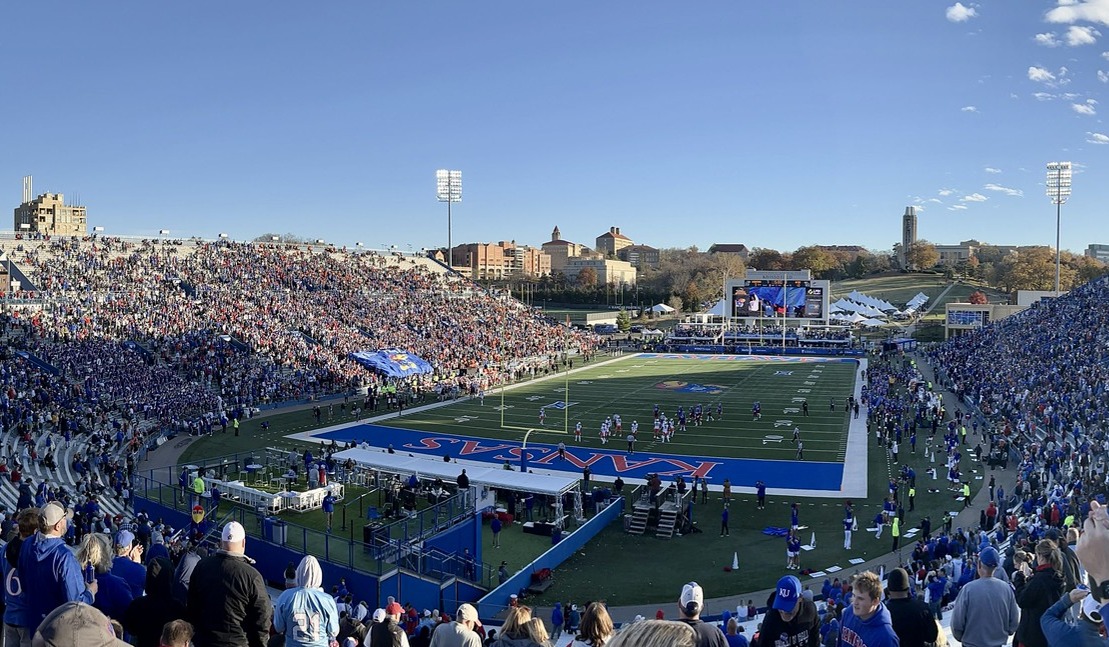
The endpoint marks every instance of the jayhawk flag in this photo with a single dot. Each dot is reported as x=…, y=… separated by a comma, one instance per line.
x=392, y=362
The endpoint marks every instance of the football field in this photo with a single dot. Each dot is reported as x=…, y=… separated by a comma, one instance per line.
x=732, y=444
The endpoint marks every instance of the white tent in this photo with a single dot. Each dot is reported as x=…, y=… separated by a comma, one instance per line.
x=856, y=318
x=661, y=308
x=872, y=322
x=718, y=309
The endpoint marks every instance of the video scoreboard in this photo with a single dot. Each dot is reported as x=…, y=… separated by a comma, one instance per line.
x=792, y=298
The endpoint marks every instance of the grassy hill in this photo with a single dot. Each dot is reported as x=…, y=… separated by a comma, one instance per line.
x=898, y=288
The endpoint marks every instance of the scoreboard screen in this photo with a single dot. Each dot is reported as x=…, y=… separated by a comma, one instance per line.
x=769, y=298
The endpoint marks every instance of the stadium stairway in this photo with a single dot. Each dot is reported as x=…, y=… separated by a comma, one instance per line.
x=34, y=360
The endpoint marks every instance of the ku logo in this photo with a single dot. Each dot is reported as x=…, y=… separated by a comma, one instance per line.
x=799, y=399
x=772, y=439
x=783, y=373
x=783, y=423
x=791, y=410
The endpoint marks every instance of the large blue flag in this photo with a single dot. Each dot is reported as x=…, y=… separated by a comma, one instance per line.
x=392, y=362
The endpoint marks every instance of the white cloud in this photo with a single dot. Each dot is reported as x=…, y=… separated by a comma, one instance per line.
x=990, y=169
x=936, y=200
x=1016, y=193
x=969, y=108
x=1071, y=11
x=946, y=192
x=959, y=13
x=1047, y=39
x=1085, y=108
x=1097, y=138
x=1077, y=36
x=1105, y=55
x=1040, y=75
x=1043, y=96
x=973, y=197
x=1103, y=76
x=957, y=207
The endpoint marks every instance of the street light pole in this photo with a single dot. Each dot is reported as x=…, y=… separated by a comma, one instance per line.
x=448, y=188
x=1058, y=189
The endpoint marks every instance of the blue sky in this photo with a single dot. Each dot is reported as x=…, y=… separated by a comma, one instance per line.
x=771, y=124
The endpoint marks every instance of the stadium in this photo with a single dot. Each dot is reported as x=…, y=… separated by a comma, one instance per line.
x=173, y=401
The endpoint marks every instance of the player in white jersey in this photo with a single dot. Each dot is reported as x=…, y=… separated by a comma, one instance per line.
x=635, y=427
x=619, y=423
x=658, y=428
x=577, y=432
x=604, y=434
x=542, y=417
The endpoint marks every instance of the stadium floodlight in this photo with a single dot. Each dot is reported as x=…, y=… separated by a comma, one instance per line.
x=448, y=188
x=1058, y=189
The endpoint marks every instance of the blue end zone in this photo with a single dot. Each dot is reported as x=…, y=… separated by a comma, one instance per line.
x=743, y=472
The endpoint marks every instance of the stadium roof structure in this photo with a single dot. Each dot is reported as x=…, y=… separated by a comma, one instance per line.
x=480, y=475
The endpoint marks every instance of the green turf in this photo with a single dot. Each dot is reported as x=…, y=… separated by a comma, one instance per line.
x=631, y=387
x=613, y=565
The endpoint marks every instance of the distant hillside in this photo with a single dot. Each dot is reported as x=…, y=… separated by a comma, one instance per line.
x=898, y=288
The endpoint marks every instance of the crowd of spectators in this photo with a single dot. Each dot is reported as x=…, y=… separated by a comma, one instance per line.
x=180, y=331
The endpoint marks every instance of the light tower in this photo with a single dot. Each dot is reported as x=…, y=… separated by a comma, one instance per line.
x=448, y=188
x=1058, y=189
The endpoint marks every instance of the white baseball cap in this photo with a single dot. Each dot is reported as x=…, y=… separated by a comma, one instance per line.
x=233, y=532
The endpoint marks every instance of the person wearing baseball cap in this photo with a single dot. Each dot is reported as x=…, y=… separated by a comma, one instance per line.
x=388, y=633
x=690, y=605
x=912, y=620
x=127, y=563
x=228, y=601
x=460, y=632
x=986, y=612
x=792, y=617
x=47, y=561
x=75, y=624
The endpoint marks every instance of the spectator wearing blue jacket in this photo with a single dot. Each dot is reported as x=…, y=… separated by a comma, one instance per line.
x=48, y=562
x=127, y=563
x=18, y=628
x=1085, y=632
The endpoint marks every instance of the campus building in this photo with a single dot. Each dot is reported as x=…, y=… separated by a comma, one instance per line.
x=560, y=251
x=737, y=249
x=494, y=261
x=612, y=241
x=49, y=214
x=608, y=270
x=1098, y=252
x=908, y=237
x=639, y=255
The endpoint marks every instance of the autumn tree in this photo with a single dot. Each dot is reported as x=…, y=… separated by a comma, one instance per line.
x=978, y=297
x=587, y=277
x=922, y=255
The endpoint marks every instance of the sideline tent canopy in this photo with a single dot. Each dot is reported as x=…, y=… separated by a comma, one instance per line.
x=662, y=307
x=392, y=362
x=494, y=477
x=481, y=476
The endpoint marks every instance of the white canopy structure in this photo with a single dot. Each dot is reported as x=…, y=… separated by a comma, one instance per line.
x=872, y=322
x=497, y=478
x=661, y=308
x=718, y=309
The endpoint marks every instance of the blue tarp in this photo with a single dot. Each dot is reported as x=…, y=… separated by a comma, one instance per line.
x=392, y=362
